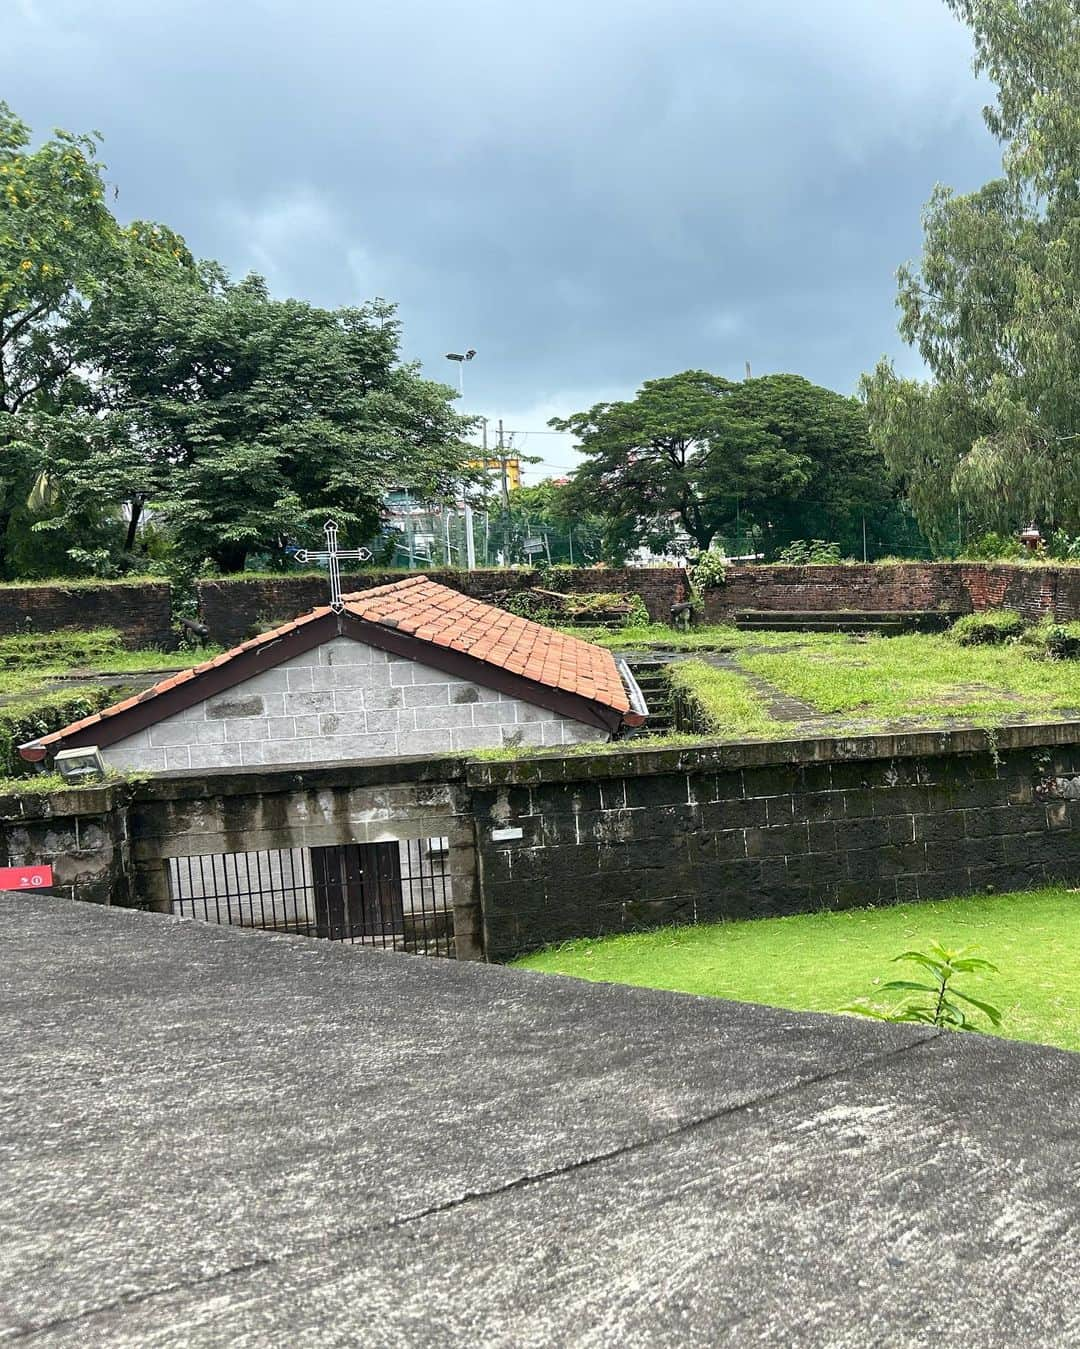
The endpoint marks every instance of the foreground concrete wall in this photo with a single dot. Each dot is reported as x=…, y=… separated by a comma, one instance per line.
x=345, y=700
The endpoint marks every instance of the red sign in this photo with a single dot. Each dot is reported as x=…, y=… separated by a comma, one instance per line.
x=25, y=878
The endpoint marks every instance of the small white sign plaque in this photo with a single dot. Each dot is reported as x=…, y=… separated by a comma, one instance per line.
x=505, y=835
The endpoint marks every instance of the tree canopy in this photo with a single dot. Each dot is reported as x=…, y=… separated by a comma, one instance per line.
x=135, y=382
x=994, y=306
x=696, y=453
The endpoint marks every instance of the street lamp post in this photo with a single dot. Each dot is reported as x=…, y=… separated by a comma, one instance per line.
x=461, y=357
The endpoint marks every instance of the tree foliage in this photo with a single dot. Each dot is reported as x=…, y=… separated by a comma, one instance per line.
x=994, y=306
x=694, y=452
x=135, y=383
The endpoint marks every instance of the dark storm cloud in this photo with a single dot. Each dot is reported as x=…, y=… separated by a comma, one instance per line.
x=589, y=193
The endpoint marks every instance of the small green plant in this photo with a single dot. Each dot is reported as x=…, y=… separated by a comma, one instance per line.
x=937, y=1003
x=1053, y=641
x=527, y=604
x=993, y=628
x=708, y=570
x=807, y=552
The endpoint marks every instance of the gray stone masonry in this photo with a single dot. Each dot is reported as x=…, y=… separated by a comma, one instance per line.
x=344, y=700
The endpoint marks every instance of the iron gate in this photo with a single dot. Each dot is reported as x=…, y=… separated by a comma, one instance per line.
x=395, y=894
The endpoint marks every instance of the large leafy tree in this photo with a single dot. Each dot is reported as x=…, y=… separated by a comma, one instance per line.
x=994, y=306
x=696, y=452
x=250, y=420
x=62, y=255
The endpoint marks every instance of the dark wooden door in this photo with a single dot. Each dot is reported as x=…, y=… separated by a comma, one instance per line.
x=358, y=892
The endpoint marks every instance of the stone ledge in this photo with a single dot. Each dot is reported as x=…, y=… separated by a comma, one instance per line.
x=195, y=783
x=766, y=753
x=64, y=804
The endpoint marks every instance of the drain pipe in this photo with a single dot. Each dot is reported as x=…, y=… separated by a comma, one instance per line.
x=639, y=708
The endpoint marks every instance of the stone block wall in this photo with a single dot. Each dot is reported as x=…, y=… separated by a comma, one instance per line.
x=198, y=815
x=234, y=610
x=82, y=835
x=343, y=700
x=141, y=611
x=632, y=841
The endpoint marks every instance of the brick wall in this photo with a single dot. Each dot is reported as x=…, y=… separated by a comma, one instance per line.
x=628, y=841
x=141, y=611
x=234, y=610
x=958, y=587
x=343, y=700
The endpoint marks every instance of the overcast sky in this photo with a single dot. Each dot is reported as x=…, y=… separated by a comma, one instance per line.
x=589, y=192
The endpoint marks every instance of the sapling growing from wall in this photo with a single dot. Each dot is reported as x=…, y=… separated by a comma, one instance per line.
x=938, y=1003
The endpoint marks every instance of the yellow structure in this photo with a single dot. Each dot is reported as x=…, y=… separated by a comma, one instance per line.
x=494, y=467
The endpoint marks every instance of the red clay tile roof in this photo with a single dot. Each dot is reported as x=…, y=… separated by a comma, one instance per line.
x=445, y=617
x=431, y=612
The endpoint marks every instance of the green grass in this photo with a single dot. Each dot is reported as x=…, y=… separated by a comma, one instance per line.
x=725, y=702
x=659, y=637
x=822, y=962
x=922, y=676
x=29, y=660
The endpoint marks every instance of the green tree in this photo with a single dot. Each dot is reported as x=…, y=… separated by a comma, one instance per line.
x=62, y=253
x=250, y=419
x=994, y=306
x=694, y=452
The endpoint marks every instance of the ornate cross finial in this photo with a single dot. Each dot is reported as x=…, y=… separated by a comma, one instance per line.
x=332, y=556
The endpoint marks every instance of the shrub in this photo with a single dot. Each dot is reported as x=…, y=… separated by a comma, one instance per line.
x=989, y=629
x=992, y=548
x=806, y=552
x=527, y=604
x=708, y=570
x=1053, y=641
x=29, y=718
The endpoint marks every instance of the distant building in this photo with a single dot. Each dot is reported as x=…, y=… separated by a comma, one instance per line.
x=494, y=467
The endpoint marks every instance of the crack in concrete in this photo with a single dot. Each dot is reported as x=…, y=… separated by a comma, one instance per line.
x=221, y=1277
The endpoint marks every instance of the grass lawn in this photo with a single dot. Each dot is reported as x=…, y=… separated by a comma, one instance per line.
x=920, y=675
x=860, y=683
x=821, y=962
x=28, y=661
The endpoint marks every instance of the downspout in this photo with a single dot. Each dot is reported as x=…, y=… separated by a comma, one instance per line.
x=639, y=708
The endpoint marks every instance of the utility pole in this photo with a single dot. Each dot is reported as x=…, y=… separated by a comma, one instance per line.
x=505, y=495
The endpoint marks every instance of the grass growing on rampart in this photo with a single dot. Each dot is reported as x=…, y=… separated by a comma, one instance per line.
x=724, y=701
x=821, y=962
x=919, y=676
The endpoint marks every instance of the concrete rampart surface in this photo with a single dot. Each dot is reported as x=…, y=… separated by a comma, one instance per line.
x=223, y=1138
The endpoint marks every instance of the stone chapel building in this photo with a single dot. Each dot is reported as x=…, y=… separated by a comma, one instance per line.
x=412, y=668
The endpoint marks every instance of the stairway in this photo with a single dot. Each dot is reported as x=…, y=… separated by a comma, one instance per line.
x=888, y=624
x=657, y=693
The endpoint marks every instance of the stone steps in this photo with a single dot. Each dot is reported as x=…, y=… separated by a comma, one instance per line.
x=888, y=624
x=656, y=692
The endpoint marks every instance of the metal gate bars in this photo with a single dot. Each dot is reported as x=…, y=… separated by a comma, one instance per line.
x=395, y=895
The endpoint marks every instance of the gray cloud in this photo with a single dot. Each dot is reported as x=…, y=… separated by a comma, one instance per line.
x=590, y=194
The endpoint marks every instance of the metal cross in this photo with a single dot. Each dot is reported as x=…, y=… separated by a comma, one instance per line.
x=332, y=556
